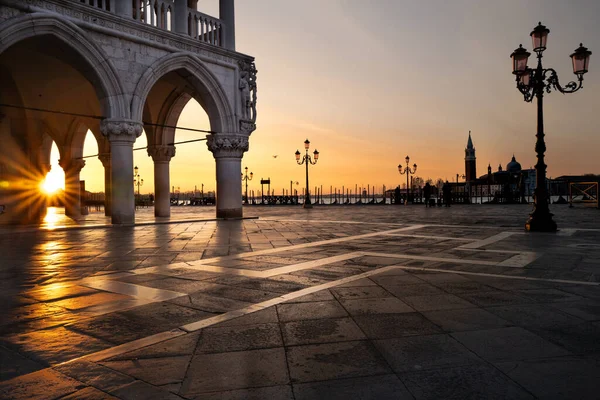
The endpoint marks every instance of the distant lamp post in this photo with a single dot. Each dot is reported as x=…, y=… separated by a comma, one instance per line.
x=532, y=83
x=291, y=187
x=408, y=172
x=137, y=180
x=306, y=159
x=463, y=176
x=247, y=178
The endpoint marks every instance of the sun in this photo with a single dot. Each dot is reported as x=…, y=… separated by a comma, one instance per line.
x=53, y=182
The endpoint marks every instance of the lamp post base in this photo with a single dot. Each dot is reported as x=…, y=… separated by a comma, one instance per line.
x=307, y=205
x=540, y=223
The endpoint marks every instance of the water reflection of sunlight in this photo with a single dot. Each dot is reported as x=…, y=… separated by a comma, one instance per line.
x=53, y=217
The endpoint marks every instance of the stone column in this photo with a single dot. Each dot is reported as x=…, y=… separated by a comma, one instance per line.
x=123, y=8
x=228, y=150
x=105, y=160
x=121, y=134
x=72, y=168
x=227, y=15
x=180, y=17
x=161, y=155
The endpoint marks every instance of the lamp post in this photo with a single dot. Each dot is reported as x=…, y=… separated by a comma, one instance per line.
x=247, y=178
x=137, y=180
x=291, y=186
x=408, y=171
x=532, y=83
x=306, y=159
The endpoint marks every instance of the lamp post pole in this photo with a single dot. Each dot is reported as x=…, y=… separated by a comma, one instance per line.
x=247, y=178
x=306, y=159
x=137, y=180
x=532, y=83
x=291, y=186
x=408, y=171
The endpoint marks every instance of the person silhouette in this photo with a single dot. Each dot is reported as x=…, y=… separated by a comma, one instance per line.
x=447, y=192
x=427, y=193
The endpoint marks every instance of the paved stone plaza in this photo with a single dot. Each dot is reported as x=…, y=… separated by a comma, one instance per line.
x=370, y=302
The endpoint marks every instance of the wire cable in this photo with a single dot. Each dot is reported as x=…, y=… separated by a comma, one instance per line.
x=99, y=117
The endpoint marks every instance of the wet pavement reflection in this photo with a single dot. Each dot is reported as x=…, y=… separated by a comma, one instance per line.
x=300, y=304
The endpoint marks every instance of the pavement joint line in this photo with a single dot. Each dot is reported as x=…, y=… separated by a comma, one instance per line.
x=96, y=282
x=63, y=228
x=129, y=346
x=492, y=239
x=524, y=278
x=437, y=259
x=194, y=326
x=430, y=237
x=279, y=270
x=520, y=260
x=302, y=245
x=332, y=221
x=133, y=290
x=519, y=232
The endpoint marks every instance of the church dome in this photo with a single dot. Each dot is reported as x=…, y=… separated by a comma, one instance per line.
x=513, y=165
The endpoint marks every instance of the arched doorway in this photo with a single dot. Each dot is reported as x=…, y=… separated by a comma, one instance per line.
x=159, y=99
x=75, y=88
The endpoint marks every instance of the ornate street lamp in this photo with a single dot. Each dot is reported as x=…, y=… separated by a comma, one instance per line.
x=247, y=178
x=532, y=83
x=408, y=172
x=306, y=159
x=137, y=180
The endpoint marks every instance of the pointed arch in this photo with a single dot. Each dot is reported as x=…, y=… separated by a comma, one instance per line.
x=207, y=88
x=97, y=69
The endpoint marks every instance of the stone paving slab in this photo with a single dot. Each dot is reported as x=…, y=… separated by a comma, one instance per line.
x=457, y=303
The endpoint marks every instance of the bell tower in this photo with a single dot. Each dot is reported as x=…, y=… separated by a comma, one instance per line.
x=470, y=161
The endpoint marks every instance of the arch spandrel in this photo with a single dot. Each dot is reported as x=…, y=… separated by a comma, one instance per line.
x=98, y=70
x=208, y=90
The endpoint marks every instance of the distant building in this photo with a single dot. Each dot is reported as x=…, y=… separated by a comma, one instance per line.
x=470, y=161
x=511, y=184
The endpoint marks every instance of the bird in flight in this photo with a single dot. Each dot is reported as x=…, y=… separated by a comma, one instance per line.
x=275, y=156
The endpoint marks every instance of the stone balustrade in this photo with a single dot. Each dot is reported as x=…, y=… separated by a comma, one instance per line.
x=205, y=28
x=106, y=5
x=163, y=14
x=157, y=13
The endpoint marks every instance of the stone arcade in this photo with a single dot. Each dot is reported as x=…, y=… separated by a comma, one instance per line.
x=117, y=68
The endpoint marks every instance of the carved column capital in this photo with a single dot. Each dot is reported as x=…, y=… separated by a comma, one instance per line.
x=72, y=166
x=161, y=153
x=121, y=130
x=227, y=145
x=104, y=159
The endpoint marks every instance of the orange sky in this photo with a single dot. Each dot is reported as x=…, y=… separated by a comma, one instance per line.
x=371, y=82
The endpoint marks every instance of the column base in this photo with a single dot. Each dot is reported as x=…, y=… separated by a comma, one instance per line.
x=230, y=213
x=122, y=219
x=540, y=223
